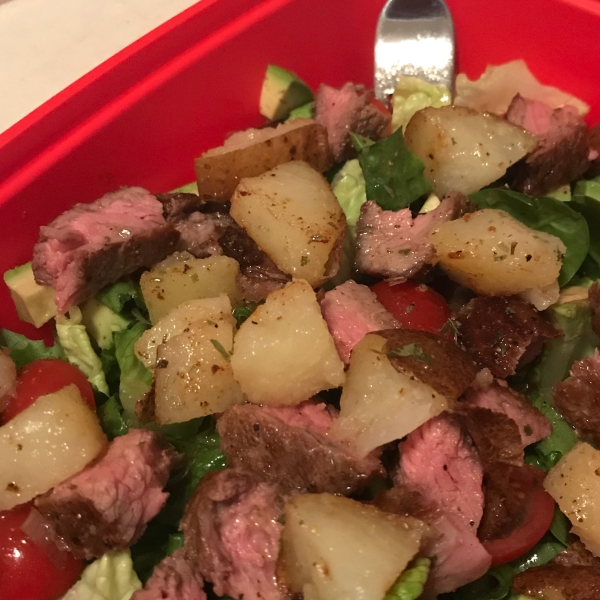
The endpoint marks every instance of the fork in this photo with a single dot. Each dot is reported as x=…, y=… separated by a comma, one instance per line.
x=415, y=38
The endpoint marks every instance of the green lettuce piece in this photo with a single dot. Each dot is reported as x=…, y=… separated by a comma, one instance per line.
x=544, y=214
x=306, y=111
x=586, y=200
x=23, y=350
x=409, y=585
x=77, y=345
x=413, y=94
x=111, y=418
x=393, y=174
x=124, y=297
x=188, y=188
x=111, y=577
x=348, y=185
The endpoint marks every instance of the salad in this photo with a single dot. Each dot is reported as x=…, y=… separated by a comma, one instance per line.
x=357, y=358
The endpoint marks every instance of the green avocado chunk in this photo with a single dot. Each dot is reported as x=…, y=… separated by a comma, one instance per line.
x=282, y=91
x=34, y=303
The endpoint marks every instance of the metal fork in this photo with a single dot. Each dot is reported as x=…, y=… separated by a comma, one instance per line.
x=416, y=38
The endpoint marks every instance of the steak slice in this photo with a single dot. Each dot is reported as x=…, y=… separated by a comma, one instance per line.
x=562, y=153
x=289, y=446
x=259, y=275
x=351, y=311
x=578, y=398
x=231, y=530
x=108, y=505
x=392, y=244
x=92, y=245
x=502, y=333
x=348, y=110
x=557, y=581
x=533, y=426
x=173, y=579
x=576, y=555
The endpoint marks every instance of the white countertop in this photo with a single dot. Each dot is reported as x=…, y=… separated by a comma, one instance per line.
x=47, y=44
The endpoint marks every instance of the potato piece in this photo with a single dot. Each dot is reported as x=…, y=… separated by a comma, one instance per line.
x=182, y=277
x=176, y=321
x=284, y=353
x=380, y=404
x=293, y=216
x=333, y=547
x=494, y=254
x=464, y=150
x=254, y=151
x=51, y=440
x=193, y=376
x=575, y=486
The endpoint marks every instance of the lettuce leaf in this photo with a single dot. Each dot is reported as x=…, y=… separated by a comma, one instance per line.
x=23, y=350
x=586, y=200
x=126, y=299
x=544, y=214
x=393, y=174
x=409, y=585
x=111, y=418
x=348, y=185
x=413, y=94
x=109, y=578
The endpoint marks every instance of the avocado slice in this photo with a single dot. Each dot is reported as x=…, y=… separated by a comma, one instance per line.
x=282, y=91
x=306, y=111
x=101, y=322
x=34, y=303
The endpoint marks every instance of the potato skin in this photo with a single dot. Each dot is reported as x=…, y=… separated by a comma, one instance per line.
x=219, y=170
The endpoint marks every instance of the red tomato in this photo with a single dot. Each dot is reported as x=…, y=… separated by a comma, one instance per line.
x=414, y=305
x=382, y=108
x=538, y=513
x=45, y=376
x=26, y=570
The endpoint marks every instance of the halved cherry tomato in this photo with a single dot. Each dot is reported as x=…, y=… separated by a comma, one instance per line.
x=382, y=108
x=537, y=516
x=45, y=376
x=27, y=572
x=414, y=305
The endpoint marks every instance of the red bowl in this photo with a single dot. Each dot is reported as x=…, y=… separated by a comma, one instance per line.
x=142, y=116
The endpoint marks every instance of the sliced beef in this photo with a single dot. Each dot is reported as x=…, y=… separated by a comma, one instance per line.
x=594, y=300
x=108, y=505
x=173, y=579
x=441, y=463
x=503, y=333
x=576, y=555
x=392, y=244
x=594, y=156
x=259, y=275
x=348, y=110
x=92, y=245
x=557, y=581
x=290, y=447
x=533, y=426
x=562, y=153
x=459, y=556
x=578, y=398
x=231, y=530
x=351, y=311
x=199, y=222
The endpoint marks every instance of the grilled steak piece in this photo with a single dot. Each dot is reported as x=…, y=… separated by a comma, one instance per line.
x=572, y=583
x=289, y=447
x=594, y=156
x=91, y=245
x=392, y=244
x=108, y=505
x=345, y=110
x=578, y=398
x=533, y=426
x=231, y=530
x=351, y=311
x=576, y=555
x=259, y=275
x=200, y=222
x=173, y=579
x=502, y=333
x=562, y=153
x=594, y=300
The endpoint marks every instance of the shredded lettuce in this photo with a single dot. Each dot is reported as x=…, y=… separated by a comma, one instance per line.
x=23, y=350
x=393, y=174
x=413, y=94
x=348, y=185
x=409, y=585
x=111, y=577
x=78, y=349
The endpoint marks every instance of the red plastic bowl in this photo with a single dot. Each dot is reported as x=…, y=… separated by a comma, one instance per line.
x=142, y=116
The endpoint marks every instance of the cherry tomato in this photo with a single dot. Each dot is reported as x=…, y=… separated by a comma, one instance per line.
x=414, y=305
x=382, y=108
x=45, y=376
x=27, y=572
x=538, y=513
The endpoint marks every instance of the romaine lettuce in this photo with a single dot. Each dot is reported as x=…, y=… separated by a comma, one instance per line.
x=348, y=185
x=409, y=585
x=23, y=350
x=413, y=94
